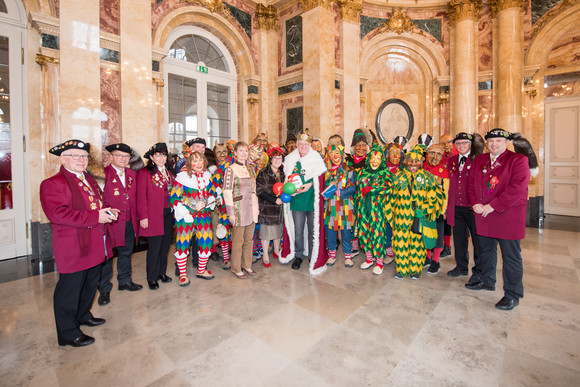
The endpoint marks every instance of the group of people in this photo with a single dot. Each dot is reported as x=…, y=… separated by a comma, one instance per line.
x=394, y=204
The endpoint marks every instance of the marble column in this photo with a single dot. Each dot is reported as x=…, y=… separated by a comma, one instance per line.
x=135, y=61
x=267, y=42
x=318, y=67
x=510, y=70
x=80, y=73
x=49, y=115
x=350, y=61
x=463, y=16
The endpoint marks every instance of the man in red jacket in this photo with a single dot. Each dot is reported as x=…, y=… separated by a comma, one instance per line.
x=120, y=192
x=497, y=189
x=73, y=203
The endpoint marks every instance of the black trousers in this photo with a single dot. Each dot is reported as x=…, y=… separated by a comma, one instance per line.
x=159, y=248
x=464, y=226
x=123, y=262
x=513, y=270
x=73, y=297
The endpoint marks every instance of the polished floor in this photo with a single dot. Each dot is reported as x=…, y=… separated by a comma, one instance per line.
x=346, y=327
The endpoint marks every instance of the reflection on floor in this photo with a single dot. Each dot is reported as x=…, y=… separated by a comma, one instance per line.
x=346, y=327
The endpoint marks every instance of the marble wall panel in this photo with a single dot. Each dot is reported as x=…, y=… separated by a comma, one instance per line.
x=284, y=15
x=566, y=51
x=485, y=40
x=293, y=41
x=109, y=16
x=484, y=113
x=539, y=7
x=111, y=106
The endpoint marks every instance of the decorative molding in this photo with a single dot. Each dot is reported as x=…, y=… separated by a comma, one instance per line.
x=551, y=13
x=443, y=99
x=252, y=100
x=266, y=17
x=158, y=53
x=45, y=59
x=45, y=24
x=399, y=23
x=308, y=5
x=458, y=10
x=350, y=9
x=501, y=5
x=158, y=82
x=110, y=41
x=214, y=6
x=531, y=93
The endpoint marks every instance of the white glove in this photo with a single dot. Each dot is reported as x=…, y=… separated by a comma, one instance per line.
x=211, y=202
x=188, y=218
x=180, y=211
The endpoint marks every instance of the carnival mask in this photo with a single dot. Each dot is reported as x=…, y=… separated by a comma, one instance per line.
x=395, y=155
x=447, y=141
x=375, y=160
x=434, y=156
x=336, y=157
x=317, y=146
x=221, y=152
x=262, y=161
x=256, y=151
x=414, y=165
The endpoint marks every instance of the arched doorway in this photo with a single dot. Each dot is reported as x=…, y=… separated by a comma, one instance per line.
x=202, y=85
x=13, y=193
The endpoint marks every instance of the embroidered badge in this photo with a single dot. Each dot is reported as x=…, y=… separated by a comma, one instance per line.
x=114, y=180
x=492, y=183
x=116, y=192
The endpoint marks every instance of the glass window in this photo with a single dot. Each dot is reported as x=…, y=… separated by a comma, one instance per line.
x=3, y=8
x=5, y=131
x=198, y=50
x=182, y=111
x=218, y=113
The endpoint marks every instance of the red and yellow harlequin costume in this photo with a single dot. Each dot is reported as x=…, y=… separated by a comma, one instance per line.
x=217, y=183
x=422, y=188
x=187, y=191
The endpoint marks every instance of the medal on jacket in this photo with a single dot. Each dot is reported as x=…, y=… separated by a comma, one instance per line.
x=492, y=183
x=116, y=192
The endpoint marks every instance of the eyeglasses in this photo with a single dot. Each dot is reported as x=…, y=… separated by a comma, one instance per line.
x=122, y=156
x=79, y=157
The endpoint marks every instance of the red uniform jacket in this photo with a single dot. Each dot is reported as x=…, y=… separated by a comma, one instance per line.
x=152, y=198
x=56, y=200
x=122, y=198
x=457, y=185
x=508, y=198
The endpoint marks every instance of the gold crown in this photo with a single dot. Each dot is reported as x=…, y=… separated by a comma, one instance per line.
x=305, y=136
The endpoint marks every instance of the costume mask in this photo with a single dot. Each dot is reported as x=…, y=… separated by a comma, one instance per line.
x=290, y=146
x=317, y=146
x=230, y=145
x=395, y=155
x=256, y=151
x=262, y=161
x=435, y=155
x=221, y=152
x=375, y=160
x=414, y=159
x=447, y=141
x=335, y=155
x=361, y=149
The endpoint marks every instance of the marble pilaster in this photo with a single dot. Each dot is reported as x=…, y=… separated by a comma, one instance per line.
x=510, y=70
x=318, y=71
x=137, y=126
x=464, y=15
x=266, y=37
x=350, y=88
x=80, y=76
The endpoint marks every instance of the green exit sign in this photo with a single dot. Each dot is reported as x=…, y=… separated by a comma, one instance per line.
x=202, y=69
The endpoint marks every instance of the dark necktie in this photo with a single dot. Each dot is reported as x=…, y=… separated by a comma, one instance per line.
x=462, y=161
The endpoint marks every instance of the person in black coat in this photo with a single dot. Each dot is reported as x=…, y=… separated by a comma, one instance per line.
x=271, y=210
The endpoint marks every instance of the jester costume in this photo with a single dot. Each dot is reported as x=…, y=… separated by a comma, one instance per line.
x=373, y=191
x=217, y=182
x=413, y=184
x=185, y=195
x=339, y=206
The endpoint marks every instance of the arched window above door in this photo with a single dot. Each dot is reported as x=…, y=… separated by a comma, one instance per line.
x=198, y=50
x=3, y=8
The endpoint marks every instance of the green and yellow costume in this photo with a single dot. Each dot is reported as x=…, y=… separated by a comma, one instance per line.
x=422, y=188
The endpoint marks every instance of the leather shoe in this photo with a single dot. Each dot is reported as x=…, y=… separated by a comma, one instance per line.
x=81, y=341
x=93, y=322
x=131, y=286
x=165, y=278
x=507, y=303
x=153, y=285
x=478, y=286
x=456, y=272
x=104, y=298
x=296, y=264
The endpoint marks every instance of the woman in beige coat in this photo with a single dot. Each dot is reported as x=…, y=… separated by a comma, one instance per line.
x=242, y=208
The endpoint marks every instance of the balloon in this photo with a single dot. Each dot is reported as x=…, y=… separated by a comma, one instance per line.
x=278, y=188
x=285, y=197
x=289, y=188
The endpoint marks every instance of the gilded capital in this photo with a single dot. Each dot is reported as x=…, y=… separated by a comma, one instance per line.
x=463, y=9
x=45, y=59
x=214, y=6
x=266, y=17
x=400, y=22
x=350, y=9
x=501, y=5
x=308, y=5
x=158, y=82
